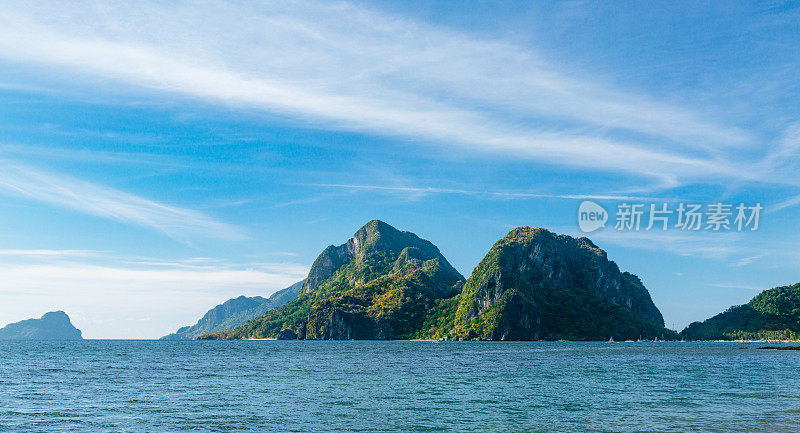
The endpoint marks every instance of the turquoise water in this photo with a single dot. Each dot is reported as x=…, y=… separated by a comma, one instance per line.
x=161, y=386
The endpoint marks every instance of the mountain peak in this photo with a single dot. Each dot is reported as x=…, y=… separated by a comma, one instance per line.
x=377, y=225
x=377, y=234
x=55, y=316
x=527, y=231
x=376, y=241
x=543, y=237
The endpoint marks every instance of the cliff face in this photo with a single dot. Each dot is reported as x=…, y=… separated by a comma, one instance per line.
x=52, y=326
x=380, y=284
x=329, y=261
x=235, y=312
x=534, y=284
x=773, y=314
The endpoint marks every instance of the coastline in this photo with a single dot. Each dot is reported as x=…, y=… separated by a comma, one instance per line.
x=433, y=340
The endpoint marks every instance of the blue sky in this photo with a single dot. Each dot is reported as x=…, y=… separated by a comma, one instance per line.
x=157, y=159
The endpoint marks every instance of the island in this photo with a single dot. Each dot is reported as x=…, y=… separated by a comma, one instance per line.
x=384, y=283
x=54, y=325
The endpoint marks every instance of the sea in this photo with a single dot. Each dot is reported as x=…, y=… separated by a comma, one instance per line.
x=396, y=386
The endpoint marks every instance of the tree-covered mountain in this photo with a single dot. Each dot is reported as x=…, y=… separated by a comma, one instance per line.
x=381, y=284
x=52, y=326
x=235, y=312
x=534, y=284
x=772, y=315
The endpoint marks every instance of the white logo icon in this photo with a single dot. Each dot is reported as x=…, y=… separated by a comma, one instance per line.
x=591, y=216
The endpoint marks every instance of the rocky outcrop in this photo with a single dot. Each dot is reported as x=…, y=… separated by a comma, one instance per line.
x=329, y=261
x=534, y=284
x=331, y=323
x=52, y=326
x=287, y=334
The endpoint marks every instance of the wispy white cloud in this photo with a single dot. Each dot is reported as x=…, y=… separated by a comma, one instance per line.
x=48, y=253
x=418, y=192
x=283, y=253
x=107, y=296
x=93, y=199
x=790, y=202
x=736, y=249
x=783, y=162
x=744, y=261
x=347, y=67
x=147, y=277
x=736, y=286
x=706, y=245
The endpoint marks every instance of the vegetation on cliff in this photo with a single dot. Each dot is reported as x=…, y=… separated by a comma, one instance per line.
x=381, y=284
x=534, y=284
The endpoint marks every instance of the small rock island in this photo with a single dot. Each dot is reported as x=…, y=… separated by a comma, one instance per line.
x=54, y=325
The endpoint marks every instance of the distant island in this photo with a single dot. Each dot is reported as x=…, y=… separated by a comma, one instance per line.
x=52, y=326
x=235, y=312
x=384, y=283
x=773, y=314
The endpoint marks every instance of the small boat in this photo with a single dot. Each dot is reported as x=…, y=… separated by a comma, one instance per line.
x=611, y=340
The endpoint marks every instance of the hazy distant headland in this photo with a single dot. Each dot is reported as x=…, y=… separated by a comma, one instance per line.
x=235, y=312
x=52, y=326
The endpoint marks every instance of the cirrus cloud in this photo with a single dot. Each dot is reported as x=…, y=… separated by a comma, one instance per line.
x=341, y=66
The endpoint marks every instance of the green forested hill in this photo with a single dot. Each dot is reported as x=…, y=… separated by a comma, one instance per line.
x=534, y=284
x=772, y=315
x=380, y=284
